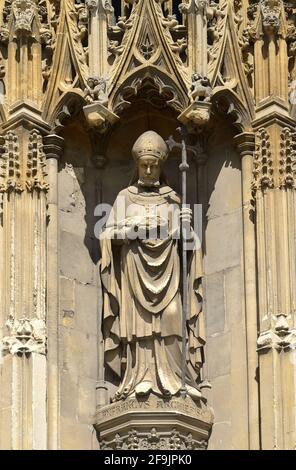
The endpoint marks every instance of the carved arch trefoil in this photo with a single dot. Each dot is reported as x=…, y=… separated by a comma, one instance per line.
x=156, y=82
x=69, y=106
x=236, y=109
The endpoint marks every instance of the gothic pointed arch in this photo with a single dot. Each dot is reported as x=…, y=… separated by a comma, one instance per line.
x=148, y=47
x=70, y=68
x=67, y=107
x=158, y=86
x=229, y=78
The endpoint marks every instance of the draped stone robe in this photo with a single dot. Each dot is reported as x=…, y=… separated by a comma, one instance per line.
x=142, y=308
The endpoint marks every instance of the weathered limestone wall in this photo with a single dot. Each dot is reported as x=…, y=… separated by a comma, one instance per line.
x=226, y=365
x=79, y=293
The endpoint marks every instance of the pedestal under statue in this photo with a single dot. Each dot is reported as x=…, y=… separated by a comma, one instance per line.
x=141, y=277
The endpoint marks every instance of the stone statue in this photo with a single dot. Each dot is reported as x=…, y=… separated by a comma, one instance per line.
x=96, y=90
x=141, y=276
x=200, y=88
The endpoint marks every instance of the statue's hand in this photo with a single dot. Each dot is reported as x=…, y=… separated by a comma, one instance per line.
x=186, y=224
x=186, y=216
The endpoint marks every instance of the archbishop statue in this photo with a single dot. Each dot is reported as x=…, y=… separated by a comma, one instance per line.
x=141, y=277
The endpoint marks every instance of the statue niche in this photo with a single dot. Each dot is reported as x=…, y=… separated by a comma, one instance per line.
x=142, y=308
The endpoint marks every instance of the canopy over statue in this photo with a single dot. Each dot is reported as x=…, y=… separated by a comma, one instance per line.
x=142, y=308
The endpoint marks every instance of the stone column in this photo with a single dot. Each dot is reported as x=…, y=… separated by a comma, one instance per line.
x=274, y=192
x=274, y=197
x=245, y=143
x=53, y=147
x=23, y=280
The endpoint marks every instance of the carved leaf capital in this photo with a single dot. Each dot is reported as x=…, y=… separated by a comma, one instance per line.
x=25, y=336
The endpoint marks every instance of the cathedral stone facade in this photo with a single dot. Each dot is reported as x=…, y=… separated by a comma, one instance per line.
x=80, y=81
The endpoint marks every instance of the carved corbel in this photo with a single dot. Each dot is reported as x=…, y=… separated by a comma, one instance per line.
x=197, y=114
x=99, y=117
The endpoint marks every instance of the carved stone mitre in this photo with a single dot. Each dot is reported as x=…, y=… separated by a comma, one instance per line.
x=150, y=143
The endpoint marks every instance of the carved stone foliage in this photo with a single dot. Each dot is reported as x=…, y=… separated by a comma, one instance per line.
x=271, y=10
x=119, y=30
x=25, y=336
x=269, y=174
x=12, y=178
x=10, y=174
x=265, y=17
x=175, y=32
x=77, y=16
x=288, y=159
x=154, y=440
x=23, y=12
x=237, y=10
x=148, y=40
x=35, y=178
x=4, y=30
x=216, y=20
x=48, y=17
x=244, y=37
x=247, y=51
x=263, y=162
x=291, y=38
x=280, y=338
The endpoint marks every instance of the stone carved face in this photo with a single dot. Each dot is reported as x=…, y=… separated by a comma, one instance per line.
x=149, y=168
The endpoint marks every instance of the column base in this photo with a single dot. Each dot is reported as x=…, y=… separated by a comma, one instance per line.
x=154, y=423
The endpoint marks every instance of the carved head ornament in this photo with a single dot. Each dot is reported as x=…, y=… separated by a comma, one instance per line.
x=23, y=12
x=150, y=143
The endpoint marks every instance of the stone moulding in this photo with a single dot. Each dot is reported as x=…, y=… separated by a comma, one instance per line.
x=154, y=423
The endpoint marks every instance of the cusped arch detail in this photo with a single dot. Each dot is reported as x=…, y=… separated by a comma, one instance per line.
x=68, y=106
x=228, y=101
x=160, y=90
